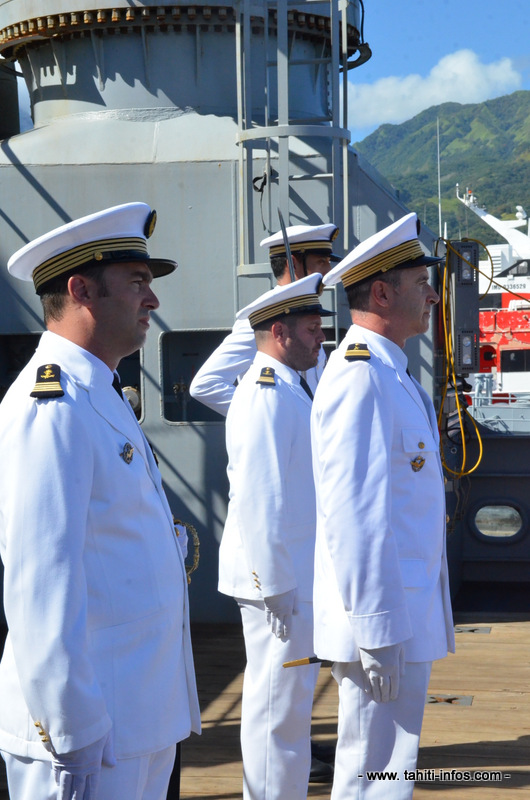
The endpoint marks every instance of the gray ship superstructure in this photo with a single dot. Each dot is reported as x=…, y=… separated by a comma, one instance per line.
x=216, y=115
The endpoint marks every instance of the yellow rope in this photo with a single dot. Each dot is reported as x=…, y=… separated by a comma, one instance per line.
x=451, y=374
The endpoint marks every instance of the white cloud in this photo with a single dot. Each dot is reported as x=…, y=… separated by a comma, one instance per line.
x=459, y=77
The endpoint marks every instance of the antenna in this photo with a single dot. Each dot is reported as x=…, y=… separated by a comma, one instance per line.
x=439, y=189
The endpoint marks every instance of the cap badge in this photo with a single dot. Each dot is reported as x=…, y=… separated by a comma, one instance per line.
x=127, y=453
x=357, y=352
x=150, y=224
x=417, y=463
x=48, y=383
x=266, y=377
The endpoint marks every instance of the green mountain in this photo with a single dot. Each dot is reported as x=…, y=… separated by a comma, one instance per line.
x=484, y=147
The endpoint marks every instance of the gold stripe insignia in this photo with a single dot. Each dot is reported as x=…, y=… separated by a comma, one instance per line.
x=301, y=247
x=400, y=254
x=357, y=352
x=266, y=377
x=76, y=257
x=284, y=307
x=48, y=383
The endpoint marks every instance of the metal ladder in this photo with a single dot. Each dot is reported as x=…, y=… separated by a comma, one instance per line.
x=276, y=134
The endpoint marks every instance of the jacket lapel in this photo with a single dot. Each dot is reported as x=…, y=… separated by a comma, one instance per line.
x=431, y=414
x=383, y=349
x=96, y=379
x=299, y=390
x=114, y=410
x=91, y=375
x=411, y=387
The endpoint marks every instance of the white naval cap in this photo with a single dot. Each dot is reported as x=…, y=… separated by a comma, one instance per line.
x=299, y=297
x=304, y=239
x=396, y=246
x=115, y=234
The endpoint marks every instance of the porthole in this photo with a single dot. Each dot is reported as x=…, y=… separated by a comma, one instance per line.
x=498, y=521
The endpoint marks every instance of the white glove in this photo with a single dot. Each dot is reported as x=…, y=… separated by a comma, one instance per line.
x=280, y=608
x=383, y=667
x=77, y=773
x=182, y=538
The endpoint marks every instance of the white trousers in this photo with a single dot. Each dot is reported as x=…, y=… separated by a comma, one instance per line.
x=378, y=737
x=276, y=706
x=143, y=778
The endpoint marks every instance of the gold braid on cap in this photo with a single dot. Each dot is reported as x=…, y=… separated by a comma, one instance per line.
x=283, y=307
x=400, y=254
x=300, y=247
x=83, y=254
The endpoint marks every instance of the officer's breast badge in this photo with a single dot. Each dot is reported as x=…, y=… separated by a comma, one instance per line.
x=48, y=383
x=417, y=463
x=266, y=377
x=357, y=352
x=127, y=453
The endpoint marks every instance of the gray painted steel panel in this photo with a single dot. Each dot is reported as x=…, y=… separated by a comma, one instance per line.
x=155, y=113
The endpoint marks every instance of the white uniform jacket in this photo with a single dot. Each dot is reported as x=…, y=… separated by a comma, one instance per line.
x=268, y=540
x=95, y=584
x=215, y=382
x=380, y=562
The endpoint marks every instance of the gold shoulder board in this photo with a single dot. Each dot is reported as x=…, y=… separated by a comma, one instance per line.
x=48, y=382
x=357, y=352
x=266, y=377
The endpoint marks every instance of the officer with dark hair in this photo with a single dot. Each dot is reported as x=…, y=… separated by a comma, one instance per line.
x=96, y=680
x=267, y=549
x=312, y=253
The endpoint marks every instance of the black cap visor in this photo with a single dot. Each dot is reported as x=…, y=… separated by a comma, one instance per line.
x=158, y=266
x=309, y=311
x=422, y=261
x=161, y=266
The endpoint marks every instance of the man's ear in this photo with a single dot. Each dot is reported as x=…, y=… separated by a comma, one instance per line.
x=298, y=265
x=279, y=331
x=80, y=289
x=380, y=292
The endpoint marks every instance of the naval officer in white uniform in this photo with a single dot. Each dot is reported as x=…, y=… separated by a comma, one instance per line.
x=267, y=549
x=96, y=681
x=381, y=596
x=311, y=249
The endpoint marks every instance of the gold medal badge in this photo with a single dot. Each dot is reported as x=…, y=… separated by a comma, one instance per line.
x=127, y=453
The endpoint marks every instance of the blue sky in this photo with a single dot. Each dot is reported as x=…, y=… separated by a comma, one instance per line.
x=427, y=52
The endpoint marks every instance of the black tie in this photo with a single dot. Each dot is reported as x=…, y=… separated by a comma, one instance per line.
x=305, y=386
x=116, y=385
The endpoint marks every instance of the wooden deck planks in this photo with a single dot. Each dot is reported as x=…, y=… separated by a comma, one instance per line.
x=493, y=733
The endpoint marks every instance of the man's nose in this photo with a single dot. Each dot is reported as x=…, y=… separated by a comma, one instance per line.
x=433, y=297
x=151, y=300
